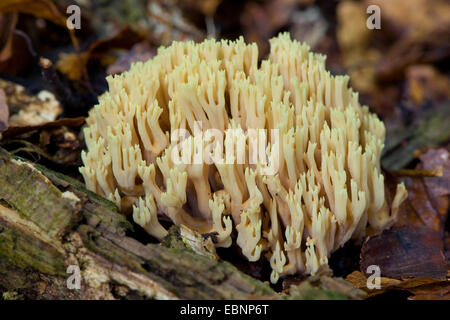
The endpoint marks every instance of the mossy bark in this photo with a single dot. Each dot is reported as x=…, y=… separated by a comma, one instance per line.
x=43, y=231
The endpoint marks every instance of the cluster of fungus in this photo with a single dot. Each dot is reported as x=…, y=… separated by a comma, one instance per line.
x=327, y=188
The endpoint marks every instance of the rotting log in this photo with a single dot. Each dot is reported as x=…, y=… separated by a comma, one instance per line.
x=49, y=221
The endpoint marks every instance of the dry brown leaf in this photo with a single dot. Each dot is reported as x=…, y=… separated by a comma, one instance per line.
x=420, y=288
x=433, y=291
x=415, y=246
x=74, y=65
x=44, y=9
x=406, y=251
x=428, y=197
x=411, y=255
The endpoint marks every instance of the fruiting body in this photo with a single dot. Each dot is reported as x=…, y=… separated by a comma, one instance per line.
x=325, y=186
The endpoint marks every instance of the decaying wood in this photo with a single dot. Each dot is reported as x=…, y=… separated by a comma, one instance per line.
x=49, y=221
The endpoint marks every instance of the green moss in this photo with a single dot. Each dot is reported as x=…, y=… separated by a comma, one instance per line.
x=28, y=191
x=96, y=206
x=26, y=252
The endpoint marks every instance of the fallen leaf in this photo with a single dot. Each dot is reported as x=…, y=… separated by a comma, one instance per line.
x=412, y=254
x=44, y=9
x=420, y=288
x=141, y=51
x=428, y=197
x=74, y=65
x=359, y=280
x=406, y=251
x=433, y=291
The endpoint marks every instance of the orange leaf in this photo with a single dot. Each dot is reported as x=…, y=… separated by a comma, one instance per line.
x=44, y=9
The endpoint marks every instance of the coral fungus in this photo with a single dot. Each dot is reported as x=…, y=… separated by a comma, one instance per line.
x=327, y=188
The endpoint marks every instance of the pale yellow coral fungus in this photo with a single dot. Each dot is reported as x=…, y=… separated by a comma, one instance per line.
x=326, y=187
